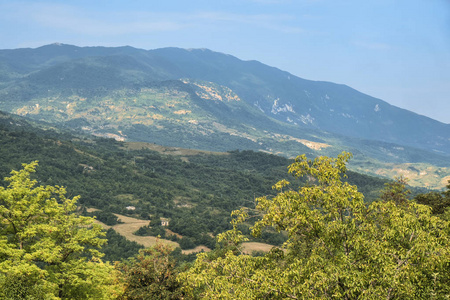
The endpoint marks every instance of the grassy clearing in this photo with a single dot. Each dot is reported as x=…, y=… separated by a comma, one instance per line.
x=196, y=250
x=130, y=225
x=176, y=151
x=417, y=174
x=445, y=180
x=249, y=247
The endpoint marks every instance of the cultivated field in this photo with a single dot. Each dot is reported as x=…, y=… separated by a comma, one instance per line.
x=131, y=225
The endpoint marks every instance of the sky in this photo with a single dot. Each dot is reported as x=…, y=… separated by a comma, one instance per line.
x=395, y=50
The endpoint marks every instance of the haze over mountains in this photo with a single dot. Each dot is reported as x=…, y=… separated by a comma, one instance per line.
x=208, y=100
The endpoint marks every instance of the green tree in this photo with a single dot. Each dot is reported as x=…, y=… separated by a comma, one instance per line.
x=338, y=247
x=47, y=251
x=151, y=275
x=396, y=191
x=439, y=202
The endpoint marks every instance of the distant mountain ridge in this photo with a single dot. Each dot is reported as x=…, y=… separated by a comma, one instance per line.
x=208, y=100
x=322, y=105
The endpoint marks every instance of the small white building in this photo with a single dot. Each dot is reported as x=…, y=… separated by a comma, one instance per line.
x=164, y=222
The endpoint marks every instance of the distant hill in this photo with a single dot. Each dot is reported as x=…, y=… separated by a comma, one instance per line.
x=207, y=100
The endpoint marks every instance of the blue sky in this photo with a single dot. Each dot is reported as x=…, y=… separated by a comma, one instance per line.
x=395, y=50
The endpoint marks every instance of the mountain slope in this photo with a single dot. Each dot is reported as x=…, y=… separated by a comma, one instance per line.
x=208, y=100
x=322, y=105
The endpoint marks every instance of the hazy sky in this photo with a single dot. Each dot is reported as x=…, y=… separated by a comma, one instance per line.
x=396, y=50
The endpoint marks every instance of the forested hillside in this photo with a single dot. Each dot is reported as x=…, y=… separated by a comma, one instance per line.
x=195, y=190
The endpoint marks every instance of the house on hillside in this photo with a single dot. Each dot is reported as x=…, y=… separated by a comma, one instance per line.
x=164, y=222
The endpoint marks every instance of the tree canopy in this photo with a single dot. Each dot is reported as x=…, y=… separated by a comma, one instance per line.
x=338, y=247
x=47, y=250
x=150, y=275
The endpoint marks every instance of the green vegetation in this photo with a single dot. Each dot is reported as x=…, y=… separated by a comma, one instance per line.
x=105, y=217
x=151, y=275
x=334, y=246
x=46, y=250
x=337, y=247
x=438, y=201
x=118, y=247
x=195, y=190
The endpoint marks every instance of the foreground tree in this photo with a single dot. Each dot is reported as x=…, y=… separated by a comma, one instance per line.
x=150, y=275
x=337, y=247
x=47, y=251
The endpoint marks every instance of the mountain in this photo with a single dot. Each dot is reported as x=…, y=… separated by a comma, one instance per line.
x=207, y=100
